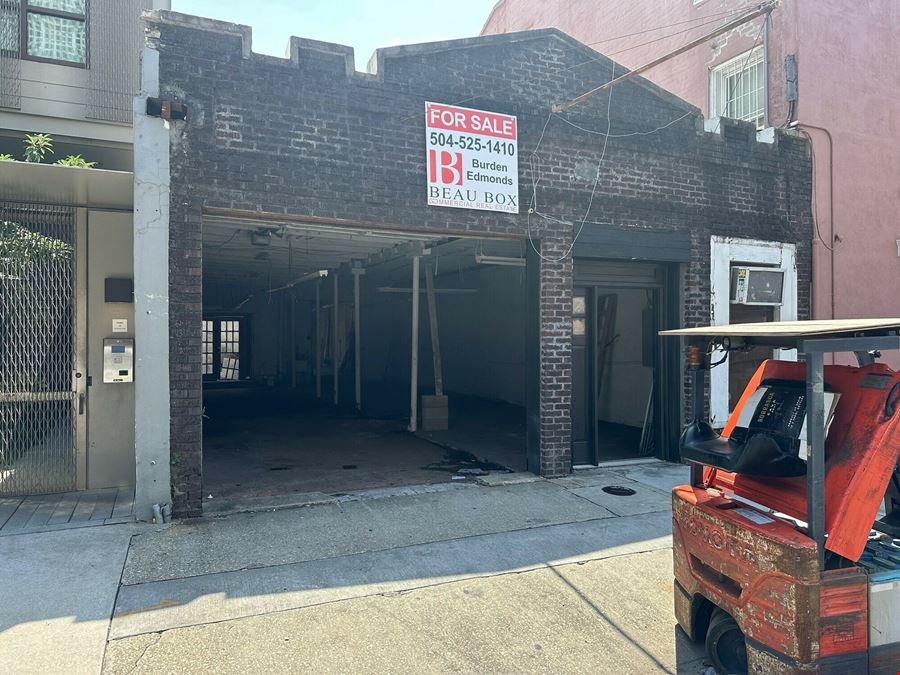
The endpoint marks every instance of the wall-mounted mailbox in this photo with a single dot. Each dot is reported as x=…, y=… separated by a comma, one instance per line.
x=118, y=290
x=118, y=360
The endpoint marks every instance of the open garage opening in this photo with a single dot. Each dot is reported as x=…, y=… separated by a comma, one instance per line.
x=315, y=380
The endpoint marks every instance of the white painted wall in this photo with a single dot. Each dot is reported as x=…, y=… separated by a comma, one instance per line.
x=724, y=252
x=626, y=382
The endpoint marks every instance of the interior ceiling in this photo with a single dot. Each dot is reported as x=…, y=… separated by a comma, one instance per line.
x=285, y=252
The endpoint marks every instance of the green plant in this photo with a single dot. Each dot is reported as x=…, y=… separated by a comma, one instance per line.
x=37, y=146
x=76, y=160
x=19, y=245
x=6, y=157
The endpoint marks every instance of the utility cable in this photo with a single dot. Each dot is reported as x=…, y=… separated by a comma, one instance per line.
x=634, y=133
x=600, y=57
x=815, y=195
x=533, y=207
x=671, y=25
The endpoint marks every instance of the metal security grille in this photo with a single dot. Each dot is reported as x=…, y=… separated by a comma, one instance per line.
x=117, y=36
x=10, y=73
x=38, y=403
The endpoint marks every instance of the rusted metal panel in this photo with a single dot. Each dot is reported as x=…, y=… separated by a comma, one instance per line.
x=764, y=574
x=684, y=612
x=763, y=662
x=843, y=613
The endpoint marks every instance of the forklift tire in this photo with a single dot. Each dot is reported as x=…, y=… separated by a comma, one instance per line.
x=725, y=645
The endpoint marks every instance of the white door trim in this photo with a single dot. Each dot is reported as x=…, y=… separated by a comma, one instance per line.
x=725, y=251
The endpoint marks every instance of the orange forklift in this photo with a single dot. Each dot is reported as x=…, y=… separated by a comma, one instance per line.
x=783, y=561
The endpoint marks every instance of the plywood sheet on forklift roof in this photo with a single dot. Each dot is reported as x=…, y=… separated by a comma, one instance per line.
x=790, y=329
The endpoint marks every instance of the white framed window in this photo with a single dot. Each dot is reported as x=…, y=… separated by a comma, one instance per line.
x=726, y=252
x=737, y=88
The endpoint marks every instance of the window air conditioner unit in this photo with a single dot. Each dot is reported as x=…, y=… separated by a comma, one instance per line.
x=757, y=286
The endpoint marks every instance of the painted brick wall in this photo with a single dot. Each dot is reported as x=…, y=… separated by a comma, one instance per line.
x=309, y=137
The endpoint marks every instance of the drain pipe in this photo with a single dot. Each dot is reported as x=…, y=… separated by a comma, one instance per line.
x=802, y=126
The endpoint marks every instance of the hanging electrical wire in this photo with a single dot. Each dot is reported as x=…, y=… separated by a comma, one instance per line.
x=533, y=205
x=600, y=57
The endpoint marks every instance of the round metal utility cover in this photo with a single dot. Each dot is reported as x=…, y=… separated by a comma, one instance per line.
x=619, y=490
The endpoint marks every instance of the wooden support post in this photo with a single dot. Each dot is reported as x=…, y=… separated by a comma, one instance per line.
x=433, y=326
x=335, y=366
x=319, y=338
x=435, y=411
x=414, y=357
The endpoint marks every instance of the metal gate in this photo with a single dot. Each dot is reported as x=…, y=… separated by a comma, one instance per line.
x=38, y=399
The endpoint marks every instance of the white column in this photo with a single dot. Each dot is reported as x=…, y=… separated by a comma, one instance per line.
x=318, y=338
x=292, y=360
x=356, y=338
x=151, y=298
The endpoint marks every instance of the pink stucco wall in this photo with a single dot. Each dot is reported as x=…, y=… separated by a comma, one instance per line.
x=637, y=31
x=849, y=82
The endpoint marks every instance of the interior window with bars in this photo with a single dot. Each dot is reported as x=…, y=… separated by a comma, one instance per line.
x=738, y=88
x=208, y=348
x=230, y=350
x=56, y=30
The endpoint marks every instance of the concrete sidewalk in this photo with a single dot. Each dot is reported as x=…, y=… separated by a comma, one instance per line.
x=58, y=592
x=519, y=577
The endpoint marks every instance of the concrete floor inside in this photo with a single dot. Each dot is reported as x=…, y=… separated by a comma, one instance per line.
x=617, y=441
x=275, y=442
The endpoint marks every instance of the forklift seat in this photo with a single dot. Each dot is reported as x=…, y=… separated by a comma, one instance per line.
x=756, y=455
x=861, y=452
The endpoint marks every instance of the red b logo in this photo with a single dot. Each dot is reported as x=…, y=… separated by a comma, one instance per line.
x=446, y=167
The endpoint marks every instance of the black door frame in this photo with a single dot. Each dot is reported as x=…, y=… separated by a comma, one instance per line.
x=244, y=343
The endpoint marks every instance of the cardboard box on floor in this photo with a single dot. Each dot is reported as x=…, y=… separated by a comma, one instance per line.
x=435, y=413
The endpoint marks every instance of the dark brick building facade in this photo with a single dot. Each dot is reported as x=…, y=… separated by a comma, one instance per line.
x=309, y=137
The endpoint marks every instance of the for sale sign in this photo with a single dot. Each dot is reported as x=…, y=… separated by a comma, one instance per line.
x=473, y=160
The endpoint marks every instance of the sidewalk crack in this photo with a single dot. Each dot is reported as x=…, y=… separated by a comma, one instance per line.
x=144, y=651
